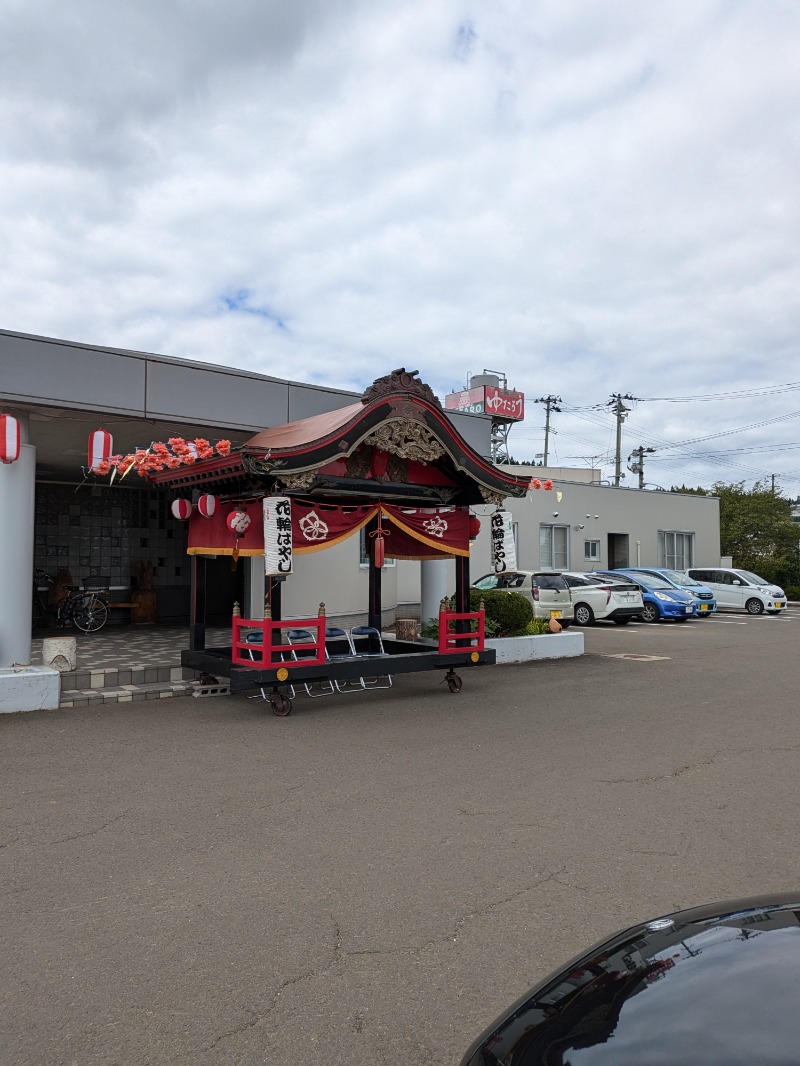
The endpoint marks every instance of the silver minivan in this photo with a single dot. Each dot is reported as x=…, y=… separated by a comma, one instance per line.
x=548, y=592
x=741, y=589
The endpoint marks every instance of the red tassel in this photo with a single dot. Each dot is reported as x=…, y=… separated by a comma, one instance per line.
x=380, y=553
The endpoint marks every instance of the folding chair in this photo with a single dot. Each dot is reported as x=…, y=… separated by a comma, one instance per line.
x=255, y=638
x=303, y=636
x=367, y=643
x=338, y=645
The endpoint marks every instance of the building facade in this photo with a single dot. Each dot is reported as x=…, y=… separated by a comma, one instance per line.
x=55, y=516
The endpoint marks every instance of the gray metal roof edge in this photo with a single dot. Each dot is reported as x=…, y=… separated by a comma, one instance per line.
x=175, y=360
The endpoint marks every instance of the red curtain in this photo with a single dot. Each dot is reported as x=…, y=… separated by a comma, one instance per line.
x=412, y=533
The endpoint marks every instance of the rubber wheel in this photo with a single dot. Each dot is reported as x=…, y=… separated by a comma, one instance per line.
x=281, y=705
x=584, y=615
x=754, y=607
x=89, y=620
x=454, y=683
x=650, y=613
x=621, y=621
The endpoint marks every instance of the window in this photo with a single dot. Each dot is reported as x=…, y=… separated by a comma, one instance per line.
x=554, y=547
x=363, y=558
x=675, y=550
x=591, y=550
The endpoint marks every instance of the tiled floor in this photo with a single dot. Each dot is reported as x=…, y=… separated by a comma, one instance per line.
x=121, y=664
x=126, y=647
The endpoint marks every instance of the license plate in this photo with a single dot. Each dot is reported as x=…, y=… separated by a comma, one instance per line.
x=688, y=610
x=555, y=614
x=703, y=606
x=779, y=603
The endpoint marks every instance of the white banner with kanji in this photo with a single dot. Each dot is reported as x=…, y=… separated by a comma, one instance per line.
x=504, y=550
x=277, y=536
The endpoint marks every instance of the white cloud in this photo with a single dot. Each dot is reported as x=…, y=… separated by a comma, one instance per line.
x=592, y=199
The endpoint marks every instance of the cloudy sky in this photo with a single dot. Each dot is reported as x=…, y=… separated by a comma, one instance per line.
x=592, y=198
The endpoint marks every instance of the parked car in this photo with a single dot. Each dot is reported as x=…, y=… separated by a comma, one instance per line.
x=740, y=588
x=706, y=601
x=661, y=600
x=548, y=591
x=597, y=598
x=713, y=985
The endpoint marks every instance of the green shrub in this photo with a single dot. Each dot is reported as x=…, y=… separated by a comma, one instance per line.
x=792, y=592
x=506, y=614
x=510, y=611
x=537, y=627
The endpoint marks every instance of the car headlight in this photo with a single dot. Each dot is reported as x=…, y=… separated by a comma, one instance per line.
x=662, y=596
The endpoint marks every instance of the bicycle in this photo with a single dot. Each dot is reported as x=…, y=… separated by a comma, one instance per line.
x=87, y=609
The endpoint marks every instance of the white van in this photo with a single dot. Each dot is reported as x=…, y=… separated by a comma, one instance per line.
x=740, y=588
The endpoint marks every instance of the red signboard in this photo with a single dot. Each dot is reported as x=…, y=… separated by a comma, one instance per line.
x=502, y=404
x=470, y=401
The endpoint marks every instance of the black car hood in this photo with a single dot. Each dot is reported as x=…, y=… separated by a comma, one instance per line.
x=713, y=986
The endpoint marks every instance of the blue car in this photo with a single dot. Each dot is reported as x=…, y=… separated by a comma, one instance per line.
x=661, y=600
x=704, y=597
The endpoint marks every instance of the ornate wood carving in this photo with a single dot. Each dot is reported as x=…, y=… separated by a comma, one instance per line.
x=409, y=440
x=497, y=498
x=400, y=380
x=258, y=464
x=301, y=482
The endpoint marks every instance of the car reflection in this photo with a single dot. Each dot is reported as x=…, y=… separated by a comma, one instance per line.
x=713, y=986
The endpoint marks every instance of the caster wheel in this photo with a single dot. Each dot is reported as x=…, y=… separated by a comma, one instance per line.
x=454, y=683
x=281, y=705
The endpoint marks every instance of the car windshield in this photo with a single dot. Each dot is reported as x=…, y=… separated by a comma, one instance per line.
x=488, y=581
x=681, y=579
x=651, y=582
x=550, y=581
x=753, y=578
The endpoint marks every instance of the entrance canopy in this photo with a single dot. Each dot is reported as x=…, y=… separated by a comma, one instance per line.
x=396, y=448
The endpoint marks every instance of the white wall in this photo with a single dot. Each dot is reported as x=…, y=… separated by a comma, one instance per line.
x=639, y=513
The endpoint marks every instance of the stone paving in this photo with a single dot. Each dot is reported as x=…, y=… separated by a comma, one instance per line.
x=121, y=664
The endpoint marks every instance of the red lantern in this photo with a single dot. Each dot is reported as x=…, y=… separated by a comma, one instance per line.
x=238, y=521
x=181, y=509
x=474, y=526
x=9, y=439
x=207, y=505
x=100, y=445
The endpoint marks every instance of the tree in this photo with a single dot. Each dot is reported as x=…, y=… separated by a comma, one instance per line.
x=756, y=527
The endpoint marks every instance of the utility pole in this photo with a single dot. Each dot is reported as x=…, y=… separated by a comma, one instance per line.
x=636, y=462
x=619, y=410
x=551, y=404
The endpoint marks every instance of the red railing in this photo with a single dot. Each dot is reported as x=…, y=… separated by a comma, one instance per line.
x=271, y=650
x=451, y=641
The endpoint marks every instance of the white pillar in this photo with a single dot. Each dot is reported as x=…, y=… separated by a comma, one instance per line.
x=434, y=579
x=17, y=491
x=255, y=586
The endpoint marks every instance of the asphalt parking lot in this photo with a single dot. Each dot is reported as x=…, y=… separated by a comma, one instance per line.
x=373, y=878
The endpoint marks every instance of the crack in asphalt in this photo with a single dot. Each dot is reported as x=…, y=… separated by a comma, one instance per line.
x=693, y=767
x=73, y=836
x=339, y=956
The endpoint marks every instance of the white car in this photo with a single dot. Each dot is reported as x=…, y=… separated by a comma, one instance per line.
x=597, y=598
x=740, y=588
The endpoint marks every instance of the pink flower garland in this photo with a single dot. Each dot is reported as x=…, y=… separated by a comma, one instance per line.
x=159, y=456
